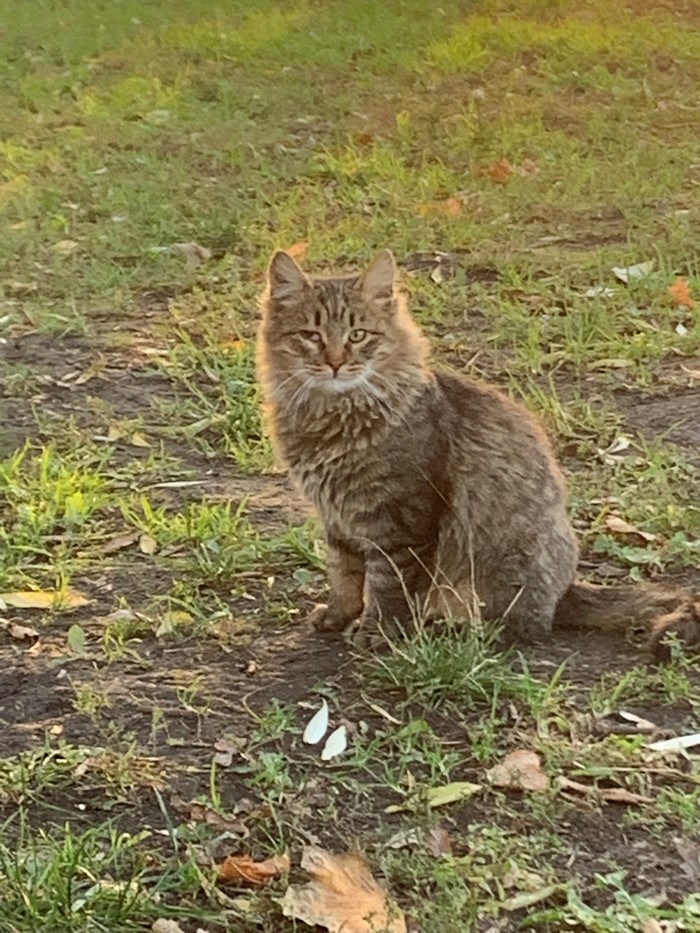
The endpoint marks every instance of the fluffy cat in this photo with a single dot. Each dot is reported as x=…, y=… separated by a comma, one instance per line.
x=437, y=493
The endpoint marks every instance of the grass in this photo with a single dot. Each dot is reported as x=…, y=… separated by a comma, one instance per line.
x=512, y=155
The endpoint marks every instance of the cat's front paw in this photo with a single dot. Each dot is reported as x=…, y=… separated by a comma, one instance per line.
x=324, y=619
x=365, y=635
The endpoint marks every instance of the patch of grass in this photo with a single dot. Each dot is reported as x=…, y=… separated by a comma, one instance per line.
x=343, y=128
x=99, y=878
x=661, y=685
x=456, y=664
x=47, y=500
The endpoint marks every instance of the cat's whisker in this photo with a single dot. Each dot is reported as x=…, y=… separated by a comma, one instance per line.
x=278, y=388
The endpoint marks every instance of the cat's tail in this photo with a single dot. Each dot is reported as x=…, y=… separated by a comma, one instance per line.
x=657, y=610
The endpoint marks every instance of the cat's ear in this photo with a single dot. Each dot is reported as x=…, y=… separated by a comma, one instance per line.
x=285, y=278
x=377, y=283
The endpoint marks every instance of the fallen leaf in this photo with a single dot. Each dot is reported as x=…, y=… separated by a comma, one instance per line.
x=191, y=252
x=644, y=725
x=677, y=744
x=45, y=599
x=298, y=250
x=147, y=544
x=679, y=293
x=450, y=793
x=385, y=714
x=65, y=246
x=166, y=926
x=237, y=869
x=452, y=206
x=115, y=433
x=521, y=770
x=619, y=526
x=76, y=641
x=317, y=726
x=528, y=898
x=599, y=291
x=137, y=439
x=20, y=632
x=438, y=842
x=343, y=897
x=441, y=796
x=652, y=926
x=336, y=743
x=437, y=275
x=690, y=853
x=404, y=839
x=198, y=813
x=527, y=168
x=633, y=273
x=608, y=363
x=226, y=748
x=609, y=794
x=119, y=542
x=500, y=171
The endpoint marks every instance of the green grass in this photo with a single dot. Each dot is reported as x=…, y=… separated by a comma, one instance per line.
x=134, y=465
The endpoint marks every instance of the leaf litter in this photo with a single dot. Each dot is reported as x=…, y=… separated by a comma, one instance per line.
x=343, y=896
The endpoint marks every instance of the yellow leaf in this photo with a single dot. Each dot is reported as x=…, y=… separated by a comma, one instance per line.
x=440, y=796
x=45, y=599
x=147, y=544
x=139, y=440
x=65, y=246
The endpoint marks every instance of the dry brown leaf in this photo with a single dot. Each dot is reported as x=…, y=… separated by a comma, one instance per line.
x=679, y=293
x=20, y=632
x=619, y=526
x=521, y=769
x=45, y=599
x=527, y=168
x=608, y=794
x=500, y=171
x=237, y=869
x=119, y=542
x=438, y=842
x=201, y=814
x=298, y=250
x=226, y=748
x=652, y=926
x=343, y=897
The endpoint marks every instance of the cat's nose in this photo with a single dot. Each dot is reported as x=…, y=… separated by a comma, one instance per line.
x=336, y=360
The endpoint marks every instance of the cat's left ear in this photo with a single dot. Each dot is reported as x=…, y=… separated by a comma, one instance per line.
x=285, y=278
x=377, y=283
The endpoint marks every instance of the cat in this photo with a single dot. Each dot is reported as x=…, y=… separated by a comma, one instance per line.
x=438, y=493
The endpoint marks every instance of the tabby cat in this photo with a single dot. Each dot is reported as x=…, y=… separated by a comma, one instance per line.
x=438, y=494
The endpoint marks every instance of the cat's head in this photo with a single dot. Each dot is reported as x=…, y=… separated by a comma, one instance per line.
x=340, y=334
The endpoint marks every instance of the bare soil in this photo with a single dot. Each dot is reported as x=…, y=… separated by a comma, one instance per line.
x=238, y=678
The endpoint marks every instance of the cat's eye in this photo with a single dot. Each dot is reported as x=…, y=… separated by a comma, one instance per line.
x=312, y=335
x=356, y=336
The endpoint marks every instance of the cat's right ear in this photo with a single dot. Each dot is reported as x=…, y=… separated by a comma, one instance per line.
x=284, y=278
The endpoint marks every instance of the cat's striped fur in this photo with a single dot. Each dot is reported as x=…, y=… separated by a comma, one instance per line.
x=437, y=493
